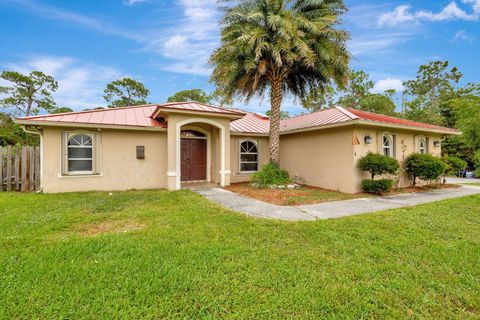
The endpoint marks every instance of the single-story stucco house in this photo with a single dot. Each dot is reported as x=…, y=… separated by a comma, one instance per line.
x=167, y=145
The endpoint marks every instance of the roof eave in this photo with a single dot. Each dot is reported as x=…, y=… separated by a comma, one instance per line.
x=406, y=127
x=167, y=110
x=57, y=124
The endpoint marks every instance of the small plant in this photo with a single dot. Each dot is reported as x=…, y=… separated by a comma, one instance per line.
x=423, y=166
x=270, y=174
x=378, y=164
x=377, y=186
x=453, y=165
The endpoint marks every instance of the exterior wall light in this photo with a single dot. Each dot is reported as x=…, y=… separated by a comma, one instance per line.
x=368, y=139
x=436, y=144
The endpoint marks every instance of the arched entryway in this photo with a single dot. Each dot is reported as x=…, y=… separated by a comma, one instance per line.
x=194, y=149
x=193, y=156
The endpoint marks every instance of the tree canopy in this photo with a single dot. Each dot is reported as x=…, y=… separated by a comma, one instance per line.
x=125, y=92
x=286, y=47
x=28, y=94
x=197, y=95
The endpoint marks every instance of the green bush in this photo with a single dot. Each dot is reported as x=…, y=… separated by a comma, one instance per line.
x=378, y=164
x=453, y=165
x=423, y=166
x=377, y=186
x=476, y=163
x=270, y=174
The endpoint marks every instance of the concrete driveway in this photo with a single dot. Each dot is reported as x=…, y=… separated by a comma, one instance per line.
x=330, y=210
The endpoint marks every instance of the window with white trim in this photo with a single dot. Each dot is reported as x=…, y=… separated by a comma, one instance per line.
x=79, y=153
x=387, y=146
x=248, y=156
x=422, y=145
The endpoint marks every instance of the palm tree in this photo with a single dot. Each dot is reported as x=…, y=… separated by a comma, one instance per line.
x=287, y=46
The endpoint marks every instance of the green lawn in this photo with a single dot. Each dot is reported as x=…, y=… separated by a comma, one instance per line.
x=159, y=254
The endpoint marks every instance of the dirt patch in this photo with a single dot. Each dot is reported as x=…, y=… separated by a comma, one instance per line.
x=104, y=227
x=423, y=188
x=303, y=195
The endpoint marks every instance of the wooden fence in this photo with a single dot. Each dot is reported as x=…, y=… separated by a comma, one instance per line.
x=19, y=168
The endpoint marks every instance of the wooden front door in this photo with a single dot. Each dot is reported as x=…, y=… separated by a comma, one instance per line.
x=194, y=159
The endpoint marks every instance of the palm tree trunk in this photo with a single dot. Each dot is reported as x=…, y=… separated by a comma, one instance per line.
x=276, y=95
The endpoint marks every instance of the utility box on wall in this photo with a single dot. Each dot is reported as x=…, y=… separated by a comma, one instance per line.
x=140, y=152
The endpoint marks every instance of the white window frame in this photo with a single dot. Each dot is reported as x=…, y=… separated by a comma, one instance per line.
x=66, y=138
x=424, y=149
x=390, y=148
x=240, y=156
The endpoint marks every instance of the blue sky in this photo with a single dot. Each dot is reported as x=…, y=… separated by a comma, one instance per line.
x=165, y=43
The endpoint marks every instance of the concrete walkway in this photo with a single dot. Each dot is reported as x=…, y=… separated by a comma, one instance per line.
x=330, y=210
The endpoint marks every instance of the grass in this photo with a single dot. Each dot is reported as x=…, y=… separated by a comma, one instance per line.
x=159, y=254
x=286, y=197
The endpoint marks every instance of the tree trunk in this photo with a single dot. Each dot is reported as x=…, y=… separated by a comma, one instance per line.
x=276, y=95
x=29, y=107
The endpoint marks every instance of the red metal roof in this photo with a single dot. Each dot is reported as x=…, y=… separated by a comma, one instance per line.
x=251, y=123
x=197, y=106
x=315, y=119
x=141, y=116
x=138, y=116
x=368, y=116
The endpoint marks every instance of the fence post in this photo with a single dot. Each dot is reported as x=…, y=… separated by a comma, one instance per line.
x=31, y=164
x=37, y=168
x=1, y=168
x=24, y=168
x=17, y=168
x=9, y=168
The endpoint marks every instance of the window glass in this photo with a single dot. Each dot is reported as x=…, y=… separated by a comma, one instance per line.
x=423, y=146
x=248, y=156
x=388, y=146
x=80, y=153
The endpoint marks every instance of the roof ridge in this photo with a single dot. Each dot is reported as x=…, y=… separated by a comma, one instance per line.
x=87, y=111
x=347, y=113
x=307, y=114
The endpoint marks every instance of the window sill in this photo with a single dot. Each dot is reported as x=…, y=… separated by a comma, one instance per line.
x=246, y=172
x=79, y=175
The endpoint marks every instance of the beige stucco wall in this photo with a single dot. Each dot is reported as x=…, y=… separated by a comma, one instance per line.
x=215, y=124
x=406, y=143
x=118, y=166
x=322, y=158
x=263, y=149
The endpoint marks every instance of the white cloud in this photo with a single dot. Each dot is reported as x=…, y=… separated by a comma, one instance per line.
x=372, y=44
x=55, y=13
x=462, y=35
x=403, y=14
x=190, y=40
x=475, y=5
x=80, y=84
x=388, y=84
x=134, y=2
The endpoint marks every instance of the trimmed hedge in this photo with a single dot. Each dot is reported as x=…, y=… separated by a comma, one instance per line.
x=270, y=174
x=378, y=164
x=423, y=166
x=377, y=186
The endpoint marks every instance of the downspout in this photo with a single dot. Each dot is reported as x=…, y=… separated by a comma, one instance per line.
x=40, y=134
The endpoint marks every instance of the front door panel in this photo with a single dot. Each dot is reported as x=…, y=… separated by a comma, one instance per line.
x=193, y=159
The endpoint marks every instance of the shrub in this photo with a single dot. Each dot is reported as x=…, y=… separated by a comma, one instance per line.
x=476, y=163
x=378, y=164
x=423, y=166
x=453, y=165
x=270, y=174
x=377, y=186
